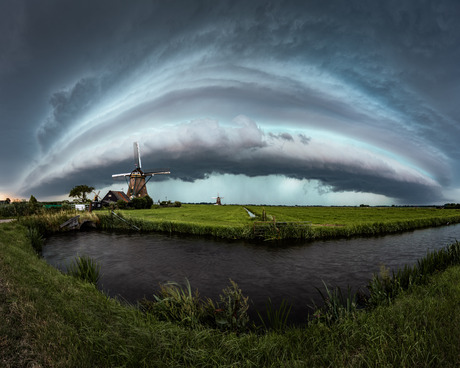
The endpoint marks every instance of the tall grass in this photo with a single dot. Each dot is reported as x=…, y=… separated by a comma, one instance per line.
x=384, y=288
x=86, y=269
x=49, y=222
x=179, y=303
x=275, y=319
x=232, y=309
x=337, y=306
x=36, y=239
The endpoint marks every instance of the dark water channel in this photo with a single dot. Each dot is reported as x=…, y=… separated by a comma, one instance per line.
x=133, y=265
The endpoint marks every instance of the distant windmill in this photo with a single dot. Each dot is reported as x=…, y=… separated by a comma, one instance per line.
x=96, y=196
x=137, y=178
x=218, y=198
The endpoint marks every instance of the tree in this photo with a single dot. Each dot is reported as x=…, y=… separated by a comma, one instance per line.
x=33, y=204
x=80, y=192
x=142, y=202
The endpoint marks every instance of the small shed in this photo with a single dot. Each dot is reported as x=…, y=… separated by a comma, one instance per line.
x=80, y=207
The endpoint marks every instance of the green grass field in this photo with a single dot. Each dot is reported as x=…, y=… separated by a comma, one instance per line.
x=326, y=222
x=195, y=214
x=49, y=319
x=347, y=216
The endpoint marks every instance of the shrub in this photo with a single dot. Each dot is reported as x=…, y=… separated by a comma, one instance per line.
x=142, y=202
x=148, y=202
x=232, y=309
x=66, y=206
x=20, y=208
x=7, y=210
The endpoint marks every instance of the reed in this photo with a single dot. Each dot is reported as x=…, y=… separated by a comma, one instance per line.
x=276, y=319
x=49, y=222
x=232, y=309
x=383, y=288
x=36, y=239
x=337, y=306
x=86, y=269
x=176, y=303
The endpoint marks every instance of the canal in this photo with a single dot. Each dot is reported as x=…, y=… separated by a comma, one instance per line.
x=133, y=265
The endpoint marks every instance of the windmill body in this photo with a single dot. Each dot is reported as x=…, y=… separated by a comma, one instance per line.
x=218, y=200
x=137, y=182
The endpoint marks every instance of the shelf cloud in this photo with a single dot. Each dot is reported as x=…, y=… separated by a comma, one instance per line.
x=355, y=98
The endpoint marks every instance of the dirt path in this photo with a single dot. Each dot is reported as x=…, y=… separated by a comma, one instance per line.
x=5, y=220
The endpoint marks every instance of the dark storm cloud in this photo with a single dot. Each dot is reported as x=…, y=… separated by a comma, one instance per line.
x=201, y=148
x=81, y=80
x=284, y=136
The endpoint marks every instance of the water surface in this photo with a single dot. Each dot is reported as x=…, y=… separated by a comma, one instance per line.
x=133, y=265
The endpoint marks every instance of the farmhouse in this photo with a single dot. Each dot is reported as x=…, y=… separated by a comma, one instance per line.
x=113, y=196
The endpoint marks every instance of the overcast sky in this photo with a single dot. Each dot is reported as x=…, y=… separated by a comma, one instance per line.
x=280, y=102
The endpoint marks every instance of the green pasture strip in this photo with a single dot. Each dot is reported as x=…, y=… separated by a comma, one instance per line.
x=326, y=222
x=345, y=222
x=355, y=215
x=196, y=214
x=53, y=320
x=230, y=222
x=233, y=222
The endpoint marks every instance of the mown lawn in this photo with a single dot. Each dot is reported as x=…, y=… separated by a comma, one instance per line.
x=49, y=319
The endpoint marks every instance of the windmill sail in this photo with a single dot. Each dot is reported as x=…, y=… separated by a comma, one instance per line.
x=137, y=155
x=120, y=175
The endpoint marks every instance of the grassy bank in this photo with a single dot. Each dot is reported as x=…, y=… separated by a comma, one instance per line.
x=230, y=222
x=282, y=222
x=54, y=320
x=270, y=223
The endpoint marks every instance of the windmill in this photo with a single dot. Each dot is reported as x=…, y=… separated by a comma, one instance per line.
x=96, y=196
x=137, y=178
x=218, y=198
